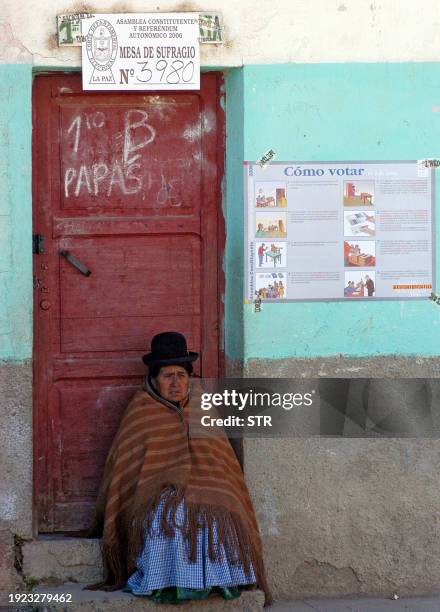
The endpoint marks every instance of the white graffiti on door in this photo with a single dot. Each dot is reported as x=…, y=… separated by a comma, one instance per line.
x=100, y=177
x=130, y=125
x=92, y=120
x=92, y=176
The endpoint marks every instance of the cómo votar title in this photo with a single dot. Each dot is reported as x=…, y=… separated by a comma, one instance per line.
x=298, y=171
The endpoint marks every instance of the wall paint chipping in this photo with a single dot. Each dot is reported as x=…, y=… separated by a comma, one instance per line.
x=263, y=32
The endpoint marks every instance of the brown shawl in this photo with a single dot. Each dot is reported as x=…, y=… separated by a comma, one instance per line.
x=155, y=449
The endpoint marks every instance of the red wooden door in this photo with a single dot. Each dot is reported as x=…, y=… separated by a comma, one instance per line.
x=129, y=185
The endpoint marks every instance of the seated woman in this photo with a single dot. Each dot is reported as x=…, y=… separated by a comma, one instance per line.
x=175, y=515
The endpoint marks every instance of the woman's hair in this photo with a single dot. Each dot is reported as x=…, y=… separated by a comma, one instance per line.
x=154, y=370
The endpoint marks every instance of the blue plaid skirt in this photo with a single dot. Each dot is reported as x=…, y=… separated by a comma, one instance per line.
x=163, y=562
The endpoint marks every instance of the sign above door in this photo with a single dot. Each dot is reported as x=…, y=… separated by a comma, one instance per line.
x=145, y=51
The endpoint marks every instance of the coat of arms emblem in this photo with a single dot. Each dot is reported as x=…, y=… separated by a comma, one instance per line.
x=102, y=46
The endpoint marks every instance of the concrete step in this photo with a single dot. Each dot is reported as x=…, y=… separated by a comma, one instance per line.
x=117, y=601
x=57, y=559
x=61, y=565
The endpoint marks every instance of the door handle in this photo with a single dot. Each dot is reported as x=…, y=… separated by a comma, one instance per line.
x=76, y=263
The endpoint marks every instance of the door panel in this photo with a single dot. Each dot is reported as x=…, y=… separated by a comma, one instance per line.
x=129, y=185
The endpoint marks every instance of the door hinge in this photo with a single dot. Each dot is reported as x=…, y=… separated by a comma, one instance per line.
x=37, y=244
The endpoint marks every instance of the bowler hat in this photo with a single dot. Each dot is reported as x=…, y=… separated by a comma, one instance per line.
x=168, y=348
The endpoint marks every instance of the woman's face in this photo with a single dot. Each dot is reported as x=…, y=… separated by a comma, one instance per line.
x=172, y=382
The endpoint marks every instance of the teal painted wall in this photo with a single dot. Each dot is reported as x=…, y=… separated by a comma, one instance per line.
x=15, y=212
x=342, y=112
x=310, y=111
x=233, y=211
